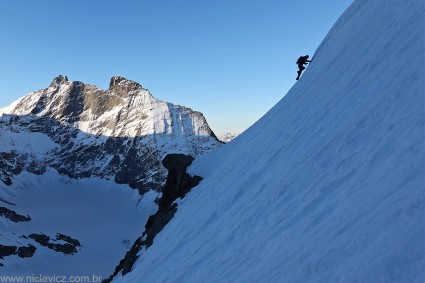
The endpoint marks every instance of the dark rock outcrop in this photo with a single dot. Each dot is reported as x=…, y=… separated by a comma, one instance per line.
x=24, y=251
x=123, y=86
x=13, y=216
x=11, y=163
x=178, y=184
x=71, y=246
x=56, y=244
x=7, y=251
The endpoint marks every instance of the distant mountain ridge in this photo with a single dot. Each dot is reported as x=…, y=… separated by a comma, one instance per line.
x=228, y=137
x=121, y=133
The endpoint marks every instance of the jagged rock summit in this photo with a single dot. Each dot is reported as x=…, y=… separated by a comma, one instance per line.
x=125, y=109
x=118, y=82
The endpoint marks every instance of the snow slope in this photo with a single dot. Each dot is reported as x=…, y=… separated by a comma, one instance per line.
x=8, y=109
x=329, y=186
x=103, y=216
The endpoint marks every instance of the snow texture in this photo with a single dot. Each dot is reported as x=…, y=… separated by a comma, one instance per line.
x=329, y=186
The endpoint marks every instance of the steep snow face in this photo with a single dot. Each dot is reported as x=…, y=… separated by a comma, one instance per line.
x=329, y=186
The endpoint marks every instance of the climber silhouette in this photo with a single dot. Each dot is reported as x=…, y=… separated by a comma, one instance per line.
x=303, y=60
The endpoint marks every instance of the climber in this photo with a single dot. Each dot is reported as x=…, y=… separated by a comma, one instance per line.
x=303, y=60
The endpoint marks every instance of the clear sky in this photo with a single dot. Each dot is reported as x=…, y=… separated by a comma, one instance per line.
x=230, y=59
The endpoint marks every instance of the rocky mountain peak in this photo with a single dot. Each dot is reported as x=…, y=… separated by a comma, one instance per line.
x=59, y=80
x=108, y=123
x=121, y=84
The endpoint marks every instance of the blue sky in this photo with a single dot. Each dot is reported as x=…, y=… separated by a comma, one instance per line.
x=230, y=59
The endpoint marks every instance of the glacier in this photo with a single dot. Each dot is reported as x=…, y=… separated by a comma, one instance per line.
x=103, y=216
x=329, y=185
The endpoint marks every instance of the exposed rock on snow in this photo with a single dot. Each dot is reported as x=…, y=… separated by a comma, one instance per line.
x=70, y=245
x=23, y=251
x=178, y=184
x=13, y=216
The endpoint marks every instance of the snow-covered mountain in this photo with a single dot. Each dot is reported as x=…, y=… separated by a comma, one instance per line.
x=81, y=169
x=121, y=133
x=329, y=186
x=228, y=137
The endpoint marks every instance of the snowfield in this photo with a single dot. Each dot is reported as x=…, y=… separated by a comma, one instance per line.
x=103, y=216
x=329, y=186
